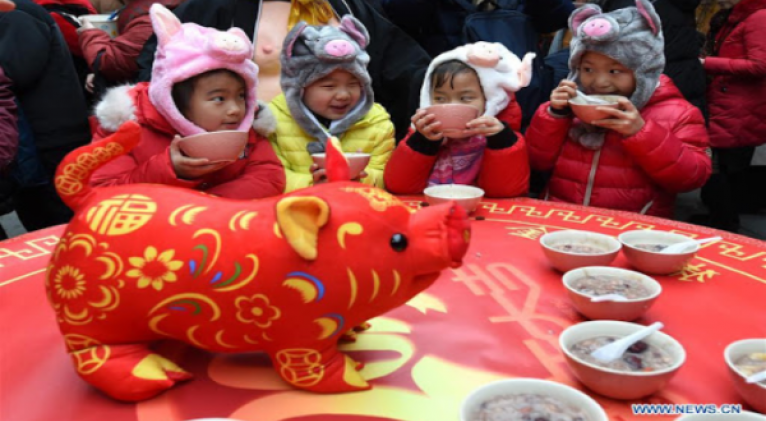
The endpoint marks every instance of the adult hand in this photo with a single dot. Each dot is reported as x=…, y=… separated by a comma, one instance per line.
x=7, y=6
x=427, y=125
x=627, y=120
x=189, y=168
x=89, y=82
x=484, y=125
x=319, y=174
x=560, y=96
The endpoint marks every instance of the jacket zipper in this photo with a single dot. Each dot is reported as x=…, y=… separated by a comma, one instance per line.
x=591, y=178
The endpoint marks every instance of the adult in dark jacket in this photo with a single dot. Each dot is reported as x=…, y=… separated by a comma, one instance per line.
x=397, y=64
x=9, y=144
x=682, y=45
x=36, y=60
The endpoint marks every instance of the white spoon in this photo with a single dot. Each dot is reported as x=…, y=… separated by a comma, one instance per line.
x=681, y=247
x=757, y=377
x=614, y=350
x=608, y=297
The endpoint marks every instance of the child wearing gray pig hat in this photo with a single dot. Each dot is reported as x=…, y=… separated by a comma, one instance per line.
x=642, y=152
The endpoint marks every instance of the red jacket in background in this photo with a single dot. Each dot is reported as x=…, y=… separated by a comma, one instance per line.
x=118, y=61
x=60, y=11
x=737, y=93
x=258, y=175
x=641, y=173
x=504, y=172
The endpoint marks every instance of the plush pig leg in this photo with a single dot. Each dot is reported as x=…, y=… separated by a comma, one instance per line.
x=127, y=372
x=327, y=372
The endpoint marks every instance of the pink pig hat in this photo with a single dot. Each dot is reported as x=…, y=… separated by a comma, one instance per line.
x=500, y=73
x=187, y=50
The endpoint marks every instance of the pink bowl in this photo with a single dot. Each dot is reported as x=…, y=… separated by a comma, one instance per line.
x=651, y=262
x=357, y=161
x=565, y=261
x=587, y=112
x=225, y=145
x=453, y=117
x=752, y=393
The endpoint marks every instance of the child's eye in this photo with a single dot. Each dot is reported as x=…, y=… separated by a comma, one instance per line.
x=466, y=98
x=615, y=71
x=217, y=98
x=439, y=99
x=587, y=69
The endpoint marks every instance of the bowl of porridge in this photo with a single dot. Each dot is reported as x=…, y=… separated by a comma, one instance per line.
x=742, y=416
x=572, y=249
x=645, y=368
x=529, y=399
x=643, y=249
x=466, y=196
x=639, y=292
x=745, y=358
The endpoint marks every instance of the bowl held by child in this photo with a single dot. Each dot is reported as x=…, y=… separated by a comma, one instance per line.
x=225, y=145
x=588, y=112
x=357, y=162
x=453, y=117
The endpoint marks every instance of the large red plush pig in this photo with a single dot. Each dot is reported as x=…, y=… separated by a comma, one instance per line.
x=287, y=275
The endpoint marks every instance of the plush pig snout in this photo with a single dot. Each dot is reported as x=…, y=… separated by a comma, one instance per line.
x=440, y=237
x=339, y=48
x=597, y=27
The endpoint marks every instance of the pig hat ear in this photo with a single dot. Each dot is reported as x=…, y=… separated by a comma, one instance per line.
x=525, y=70
x=164, y=22
x=355, y=30
x=580, y=15
x=299, y=219
x=646, y=10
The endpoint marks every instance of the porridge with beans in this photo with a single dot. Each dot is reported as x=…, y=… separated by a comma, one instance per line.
x=651, y=247
x=639, y=357
x=605, y=284
x=579, y=248
x=527, y=407
x=752, y=363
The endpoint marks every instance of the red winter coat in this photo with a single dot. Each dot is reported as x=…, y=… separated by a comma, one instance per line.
x=737, y=94
x=118, y=61
x=258, y=175
x=60, y=11
x=641, y=173
x=504, y=172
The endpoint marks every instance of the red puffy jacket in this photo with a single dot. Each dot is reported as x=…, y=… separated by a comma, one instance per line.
x=504, y=172
x=737, y=94
x=258, y=175
x=641, y=173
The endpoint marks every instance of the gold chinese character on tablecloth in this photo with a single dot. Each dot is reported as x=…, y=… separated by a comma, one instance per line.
x=696, y=273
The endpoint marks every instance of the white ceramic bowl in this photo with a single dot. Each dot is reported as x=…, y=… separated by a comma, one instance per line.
x=752, y=393
x=611, y=310
x=466, y=196
x=357, y=161
x=652, y=262
x=743, y=416
x=533, y=386
x=613, y=383
x=566, y=260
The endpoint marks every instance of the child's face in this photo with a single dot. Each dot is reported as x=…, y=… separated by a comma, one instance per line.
x=603, y=75
x=334, y=95
x=218, y=102
x=462, y=88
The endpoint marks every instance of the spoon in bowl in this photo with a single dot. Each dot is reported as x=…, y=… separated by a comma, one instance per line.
x=614, y=350
x=757, y=377
x=681, y=247
x=608, y=297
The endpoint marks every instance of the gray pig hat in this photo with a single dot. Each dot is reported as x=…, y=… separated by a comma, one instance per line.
x=631, y=36
x=311, y=52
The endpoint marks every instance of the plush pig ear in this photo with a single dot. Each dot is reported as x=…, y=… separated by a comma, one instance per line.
x=300, y=219
x=581, y=14
x=525, y=70
x=355, y=30
x=164, y=22
x=292, y=37
x=646, y=10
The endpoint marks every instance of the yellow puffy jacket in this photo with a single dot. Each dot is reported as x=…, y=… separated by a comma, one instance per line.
x=373, y=134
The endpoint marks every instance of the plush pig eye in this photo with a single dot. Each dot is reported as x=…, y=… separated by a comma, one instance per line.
x=398, y=242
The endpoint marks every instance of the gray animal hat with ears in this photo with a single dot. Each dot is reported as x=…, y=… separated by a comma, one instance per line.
x=311, y=52
x=631, y=36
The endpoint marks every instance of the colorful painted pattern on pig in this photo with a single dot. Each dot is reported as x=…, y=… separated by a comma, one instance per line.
x=289, y=275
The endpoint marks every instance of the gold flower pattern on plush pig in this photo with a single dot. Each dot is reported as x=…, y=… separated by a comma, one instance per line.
x=69, y=282
x=257, y=310
x=154, y=269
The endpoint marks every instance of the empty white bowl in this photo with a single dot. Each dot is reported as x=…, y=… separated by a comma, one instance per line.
x=564, y=393
x=466, y=196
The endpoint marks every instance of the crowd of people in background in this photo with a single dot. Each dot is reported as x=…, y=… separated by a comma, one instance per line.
x=692, y=74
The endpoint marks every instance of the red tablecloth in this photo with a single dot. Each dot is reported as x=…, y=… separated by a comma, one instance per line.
x=498, y=316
